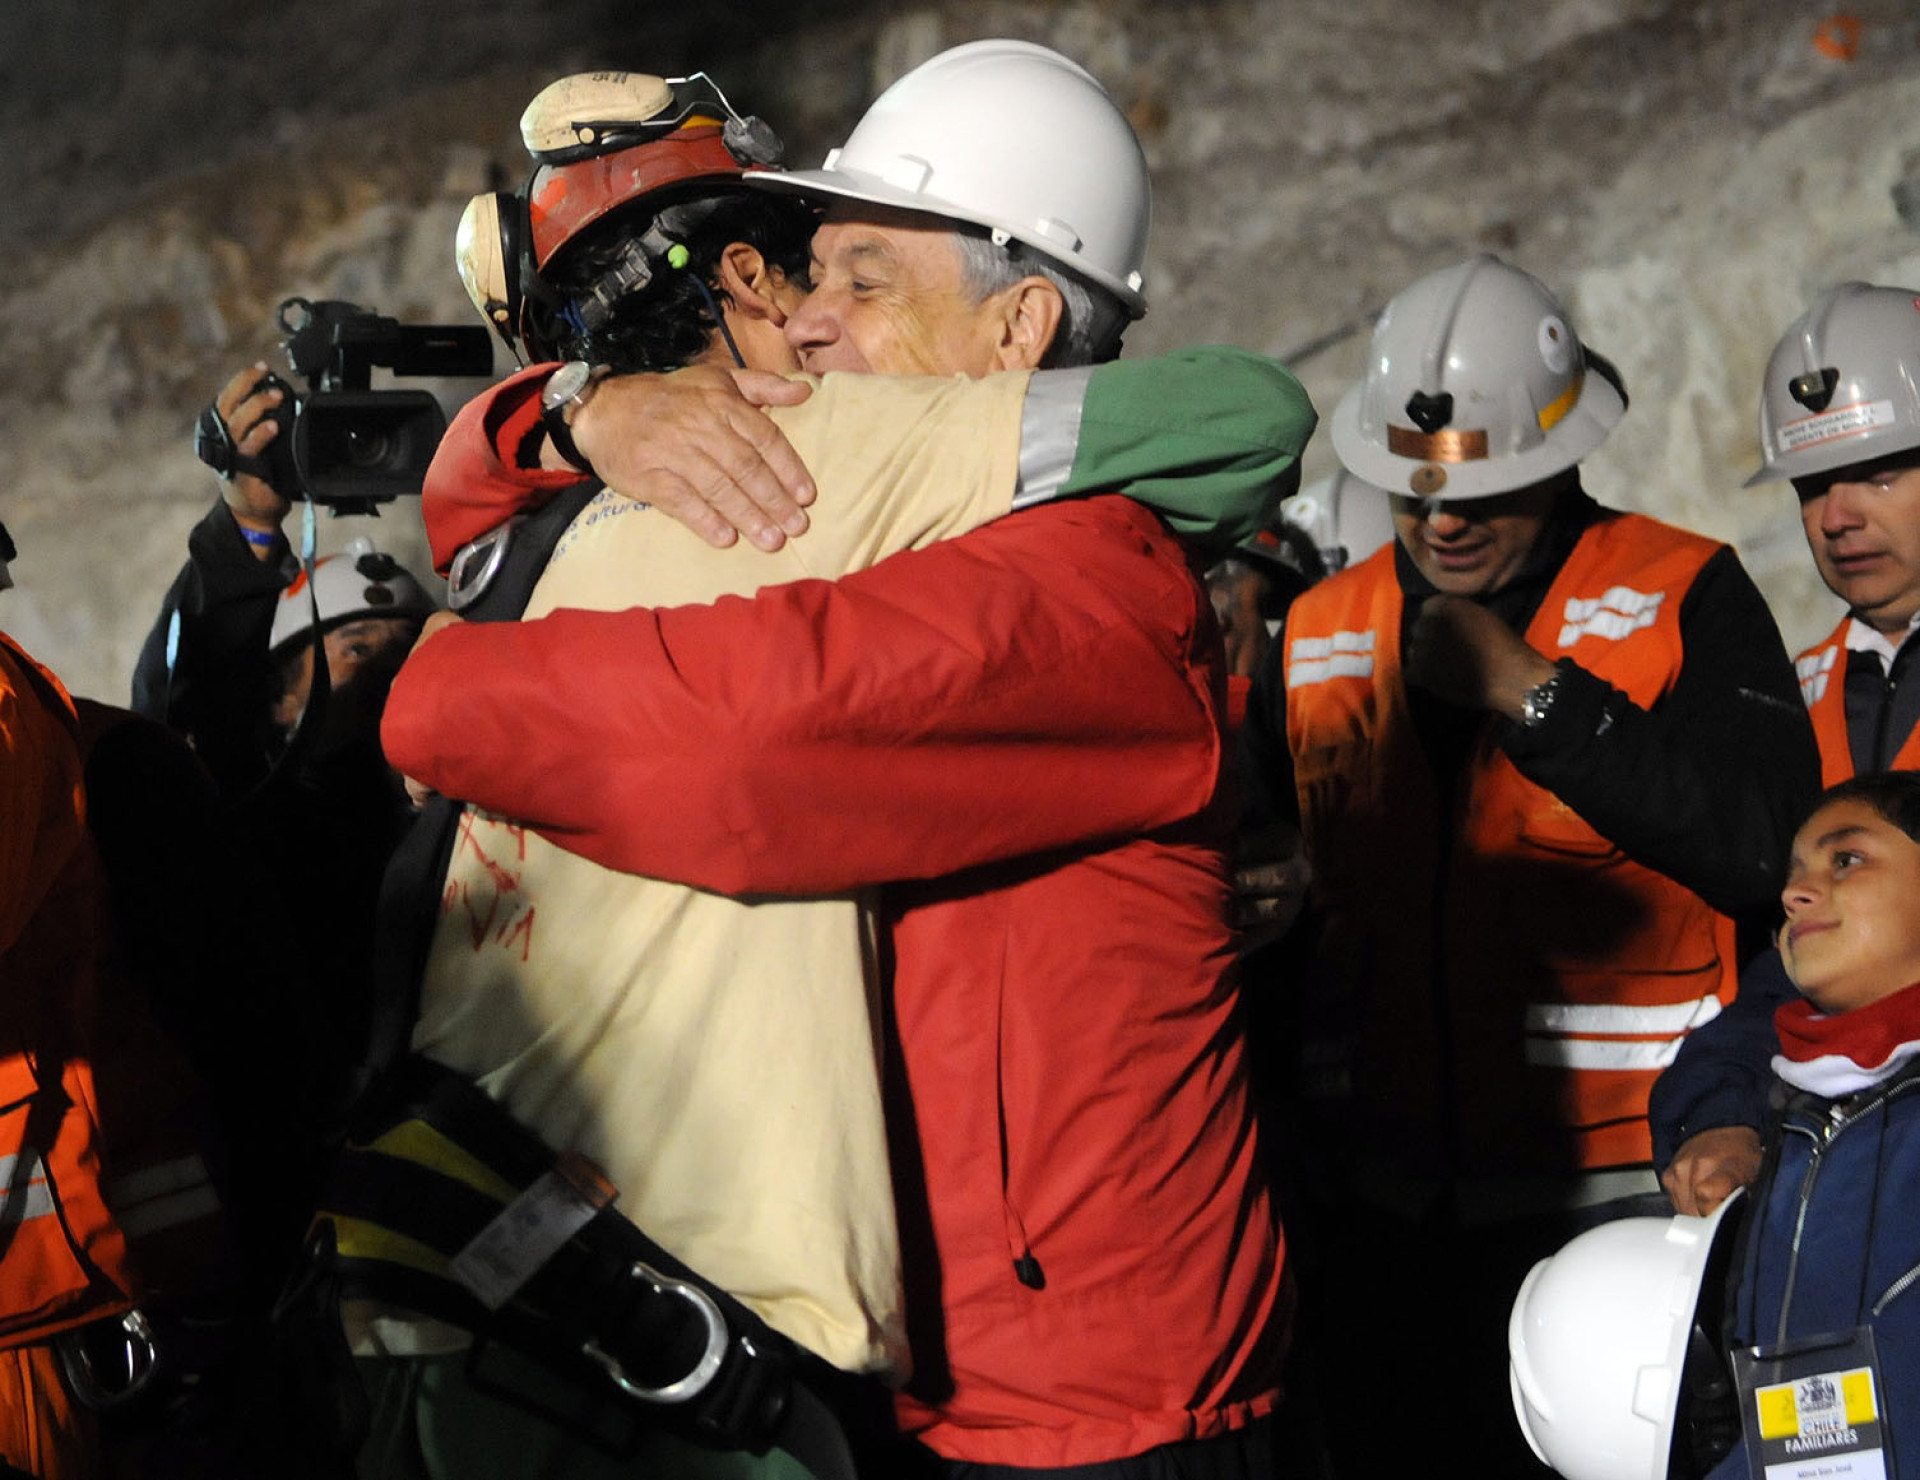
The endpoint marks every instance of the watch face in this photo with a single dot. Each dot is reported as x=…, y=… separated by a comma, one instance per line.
x=564, y=384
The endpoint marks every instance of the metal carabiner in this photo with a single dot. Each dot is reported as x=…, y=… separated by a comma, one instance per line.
x=477, y=562
x=696, y=1382
x=95, y=1384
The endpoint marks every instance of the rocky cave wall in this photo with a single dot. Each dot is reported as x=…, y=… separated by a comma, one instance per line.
x=1686, y=175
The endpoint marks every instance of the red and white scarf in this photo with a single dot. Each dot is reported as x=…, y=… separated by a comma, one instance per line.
x=1850, y=1051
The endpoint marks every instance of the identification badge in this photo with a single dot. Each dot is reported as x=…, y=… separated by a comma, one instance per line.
x=1810, y=1410
x=531, y=1229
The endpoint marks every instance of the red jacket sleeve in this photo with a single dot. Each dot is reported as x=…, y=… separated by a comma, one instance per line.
x=475, y=482
x=1045, y=681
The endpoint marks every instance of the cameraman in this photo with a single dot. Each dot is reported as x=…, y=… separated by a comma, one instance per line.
x=229, y=664
x=218, y=666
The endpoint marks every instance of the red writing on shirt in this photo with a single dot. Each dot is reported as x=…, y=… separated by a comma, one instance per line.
x=491, y=915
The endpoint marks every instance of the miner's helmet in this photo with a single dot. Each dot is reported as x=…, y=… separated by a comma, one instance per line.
x=601, y=142
x=360, y=581
x=1842, y=385
x=1476, y=384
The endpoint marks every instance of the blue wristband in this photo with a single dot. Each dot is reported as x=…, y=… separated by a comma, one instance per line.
x=255, y=538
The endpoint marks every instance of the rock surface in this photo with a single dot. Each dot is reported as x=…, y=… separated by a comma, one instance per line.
x=1686, y=175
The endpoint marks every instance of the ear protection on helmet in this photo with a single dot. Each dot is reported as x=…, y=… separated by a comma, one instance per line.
x=489, y=247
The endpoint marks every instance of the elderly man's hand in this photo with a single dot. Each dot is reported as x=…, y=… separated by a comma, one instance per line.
x=695, y=445
x=1710, y=1167
x=1465, y=654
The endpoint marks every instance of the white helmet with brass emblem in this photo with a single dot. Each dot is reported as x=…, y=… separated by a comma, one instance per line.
x=1476, y=385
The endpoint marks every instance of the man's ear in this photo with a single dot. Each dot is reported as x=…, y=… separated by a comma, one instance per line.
x=1030, y=317
x=755, y=285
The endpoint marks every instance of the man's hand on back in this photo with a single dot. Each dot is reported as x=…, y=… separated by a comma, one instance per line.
x=695, y=445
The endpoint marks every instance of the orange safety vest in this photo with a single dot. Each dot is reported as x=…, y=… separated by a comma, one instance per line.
x=1494, y=992
x=1822, y=671
x=74, y=1036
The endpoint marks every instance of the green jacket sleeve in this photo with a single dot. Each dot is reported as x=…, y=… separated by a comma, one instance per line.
x=1209, y=438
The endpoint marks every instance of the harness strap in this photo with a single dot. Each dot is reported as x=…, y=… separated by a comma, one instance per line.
x=610, y=1306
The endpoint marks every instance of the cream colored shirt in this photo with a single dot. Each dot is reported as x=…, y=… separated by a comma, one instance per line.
x=718, y=1059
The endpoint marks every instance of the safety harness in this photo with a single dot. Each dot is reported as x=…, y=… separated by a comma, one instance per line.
x=442, y=1203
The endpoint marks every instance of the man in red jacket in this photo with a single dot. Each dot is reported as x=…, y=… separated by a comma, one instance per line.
x=1017, y=732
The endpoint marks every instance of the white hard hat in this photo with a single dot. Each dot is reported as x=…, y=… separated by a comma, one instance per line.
x=1598, y=1340
x=1843, y=384
x=1346, y=517
x=360, y=581
x=1476, y=384
x=1013, y=137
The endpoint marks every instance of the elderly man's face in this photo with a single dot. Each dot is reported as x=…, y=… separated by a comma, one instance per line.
x=890, y=298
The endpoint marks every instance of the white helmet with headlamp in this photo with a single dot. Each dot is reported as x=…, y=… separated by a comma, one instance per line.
x=1842, y=385
x=601, y=141
x=1013, y=137
x=1476, y=385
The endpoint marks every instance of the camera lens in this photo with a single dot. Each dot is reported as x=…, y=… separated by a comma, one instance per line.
x=370, y=449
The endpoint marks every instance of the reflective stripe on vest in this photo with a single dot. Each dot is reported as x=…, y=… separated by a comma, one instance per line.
x=1815, y=671
x=1317, y=659
x=1617, y=612
x=1607, y=1035
x=24, y=1190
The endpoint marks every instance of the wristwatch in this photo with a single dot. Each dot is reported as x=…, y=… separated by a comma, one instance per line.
x=1538, y=701
x=566, y=391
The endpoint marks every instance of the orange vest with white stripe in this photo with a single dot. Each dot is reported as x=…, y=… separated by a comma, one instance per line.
x=77, y=1054
x=1822, y=671
x=1496, y=990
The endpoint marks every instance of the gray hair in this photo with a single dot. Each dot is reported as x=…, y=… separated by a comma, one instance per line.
x=1090, y=324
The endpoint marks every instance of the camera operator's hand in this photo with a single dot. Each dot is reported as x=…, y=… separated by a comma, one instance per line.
x=695, y=445
x=247, y=409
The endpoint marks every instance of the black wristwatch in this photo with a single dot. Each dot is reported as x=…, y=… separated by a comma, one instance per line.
x=566, y=391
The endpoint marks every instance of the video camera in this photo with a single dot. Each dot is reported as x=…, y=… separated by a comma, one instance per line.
x=342, y=444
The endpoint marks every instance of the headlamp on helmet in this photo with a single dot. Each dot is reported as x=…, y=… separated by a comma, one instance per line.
x=1842, y=385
